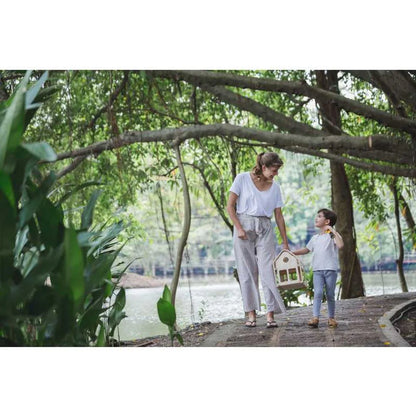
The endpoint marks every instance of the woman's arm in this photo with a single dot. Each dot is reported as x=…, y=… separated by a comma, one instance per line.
x=232, y=200
x=281, y=225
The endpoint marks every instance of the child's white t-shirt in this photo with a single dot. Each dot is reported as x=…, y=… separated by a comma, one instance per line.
x=325, y=252
x=253, y=202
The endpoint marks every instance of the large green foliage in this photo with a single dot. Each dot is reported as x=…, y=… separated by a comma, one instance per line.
x=56, y=281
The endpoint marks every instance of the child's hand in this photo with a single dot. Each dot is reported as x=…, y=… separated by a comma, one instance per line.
x=328, y=229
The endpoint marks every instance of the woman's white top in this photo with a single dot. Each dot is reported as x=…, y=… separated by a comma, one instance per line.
x=253, y=202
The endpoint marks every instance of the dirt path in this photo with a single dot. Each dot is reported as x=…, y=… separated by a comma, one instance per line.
x=360, y=322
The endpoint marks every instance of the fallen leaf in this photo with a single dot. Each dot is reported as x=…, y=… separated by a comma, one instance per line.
x=387, y=343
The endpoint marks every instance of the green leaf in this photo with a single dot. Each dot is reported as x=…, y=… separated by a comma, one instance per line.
x=66, y=319
x=117, y=314
x=119, y=274
x=167, y=294
x=98, y=269
x=21, y=240
x=35, y=96
x=46, y=92
x=74, y=266
x=108, y=289
x=101, y=338
x=166, y=312
x=45, y=265
x=77, y=189
x=84, y=238
x=120, y=302
x=105, y=237
x=7, y=188
x=33, y=92
x=43, y=151
x=33, y=204
x=179, y=337
x=90, y=318
x=42, y=300
x=87, y=213
x=7, y=237
x=50, y=219
x=12, y=125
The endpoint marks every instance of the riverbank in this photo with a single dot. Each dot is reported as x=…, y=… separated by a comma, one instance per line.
x=358, y=320
x=137, y=281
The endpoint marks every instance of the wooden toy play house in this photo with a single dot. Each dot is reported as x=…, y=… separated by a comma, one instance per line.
x=288, y=271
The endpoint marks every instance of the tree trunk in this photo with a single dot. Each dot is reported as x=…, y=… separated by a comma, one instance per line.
x=352, y=285
x=399, y=261
x=406, y=213
x=186, y=225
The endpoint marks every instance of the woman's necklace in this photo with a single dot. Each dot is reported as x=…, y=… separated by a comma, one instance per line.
x=262, y=183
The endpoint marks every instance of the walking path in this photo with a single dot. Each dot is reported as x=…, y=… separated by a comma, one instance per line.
x=362, y=322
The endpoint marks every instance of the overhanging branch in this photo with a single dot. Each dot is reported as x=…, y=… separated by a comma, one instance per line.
x=374, y=146
x=291, y=87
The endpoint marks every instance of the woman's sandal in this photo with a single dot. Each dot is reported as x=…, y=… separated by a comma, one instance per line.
x=250, y=324
x=271, y=324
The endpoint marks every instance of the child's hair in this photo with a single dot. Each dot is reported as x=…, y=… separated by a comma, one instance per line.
x=266, y=159
x=329, y=215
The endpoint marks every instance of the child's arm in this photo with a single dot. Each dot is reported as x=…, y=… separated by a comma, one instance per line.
x=337, y=237
x=301, y=251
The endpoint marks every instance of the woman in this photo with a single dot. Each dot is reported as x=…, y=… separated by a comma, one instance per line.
x=254, y=197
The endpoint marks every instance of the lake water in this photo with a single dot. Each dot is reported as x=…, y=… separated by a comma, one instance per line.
x=215, y=300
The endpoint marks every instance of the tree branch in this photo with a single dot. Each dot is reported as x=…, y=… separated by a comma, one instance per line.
x=219, y=207
x=266, y=113
x=360, y=164
x=72, y=166
x=399, y=81
x=111, y=100
x=293, y=87
x=279, y=140
x=186, y=223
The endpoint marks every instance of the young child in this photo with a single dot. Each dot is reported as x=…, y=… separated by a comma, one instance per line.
x=324, y=247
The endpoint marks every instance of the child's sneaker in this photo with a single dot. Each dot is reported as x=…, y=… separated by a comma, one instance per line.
x=314, y=322
x=332, y=323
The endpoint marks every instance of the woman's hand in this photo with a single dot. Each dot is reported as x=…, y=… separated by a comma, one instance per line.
x=280, y=221
x=242, y=234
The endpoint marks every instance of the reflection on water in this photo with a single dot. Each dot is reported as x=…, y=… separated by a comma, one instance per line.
x=210, y=302
x=216, y=301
